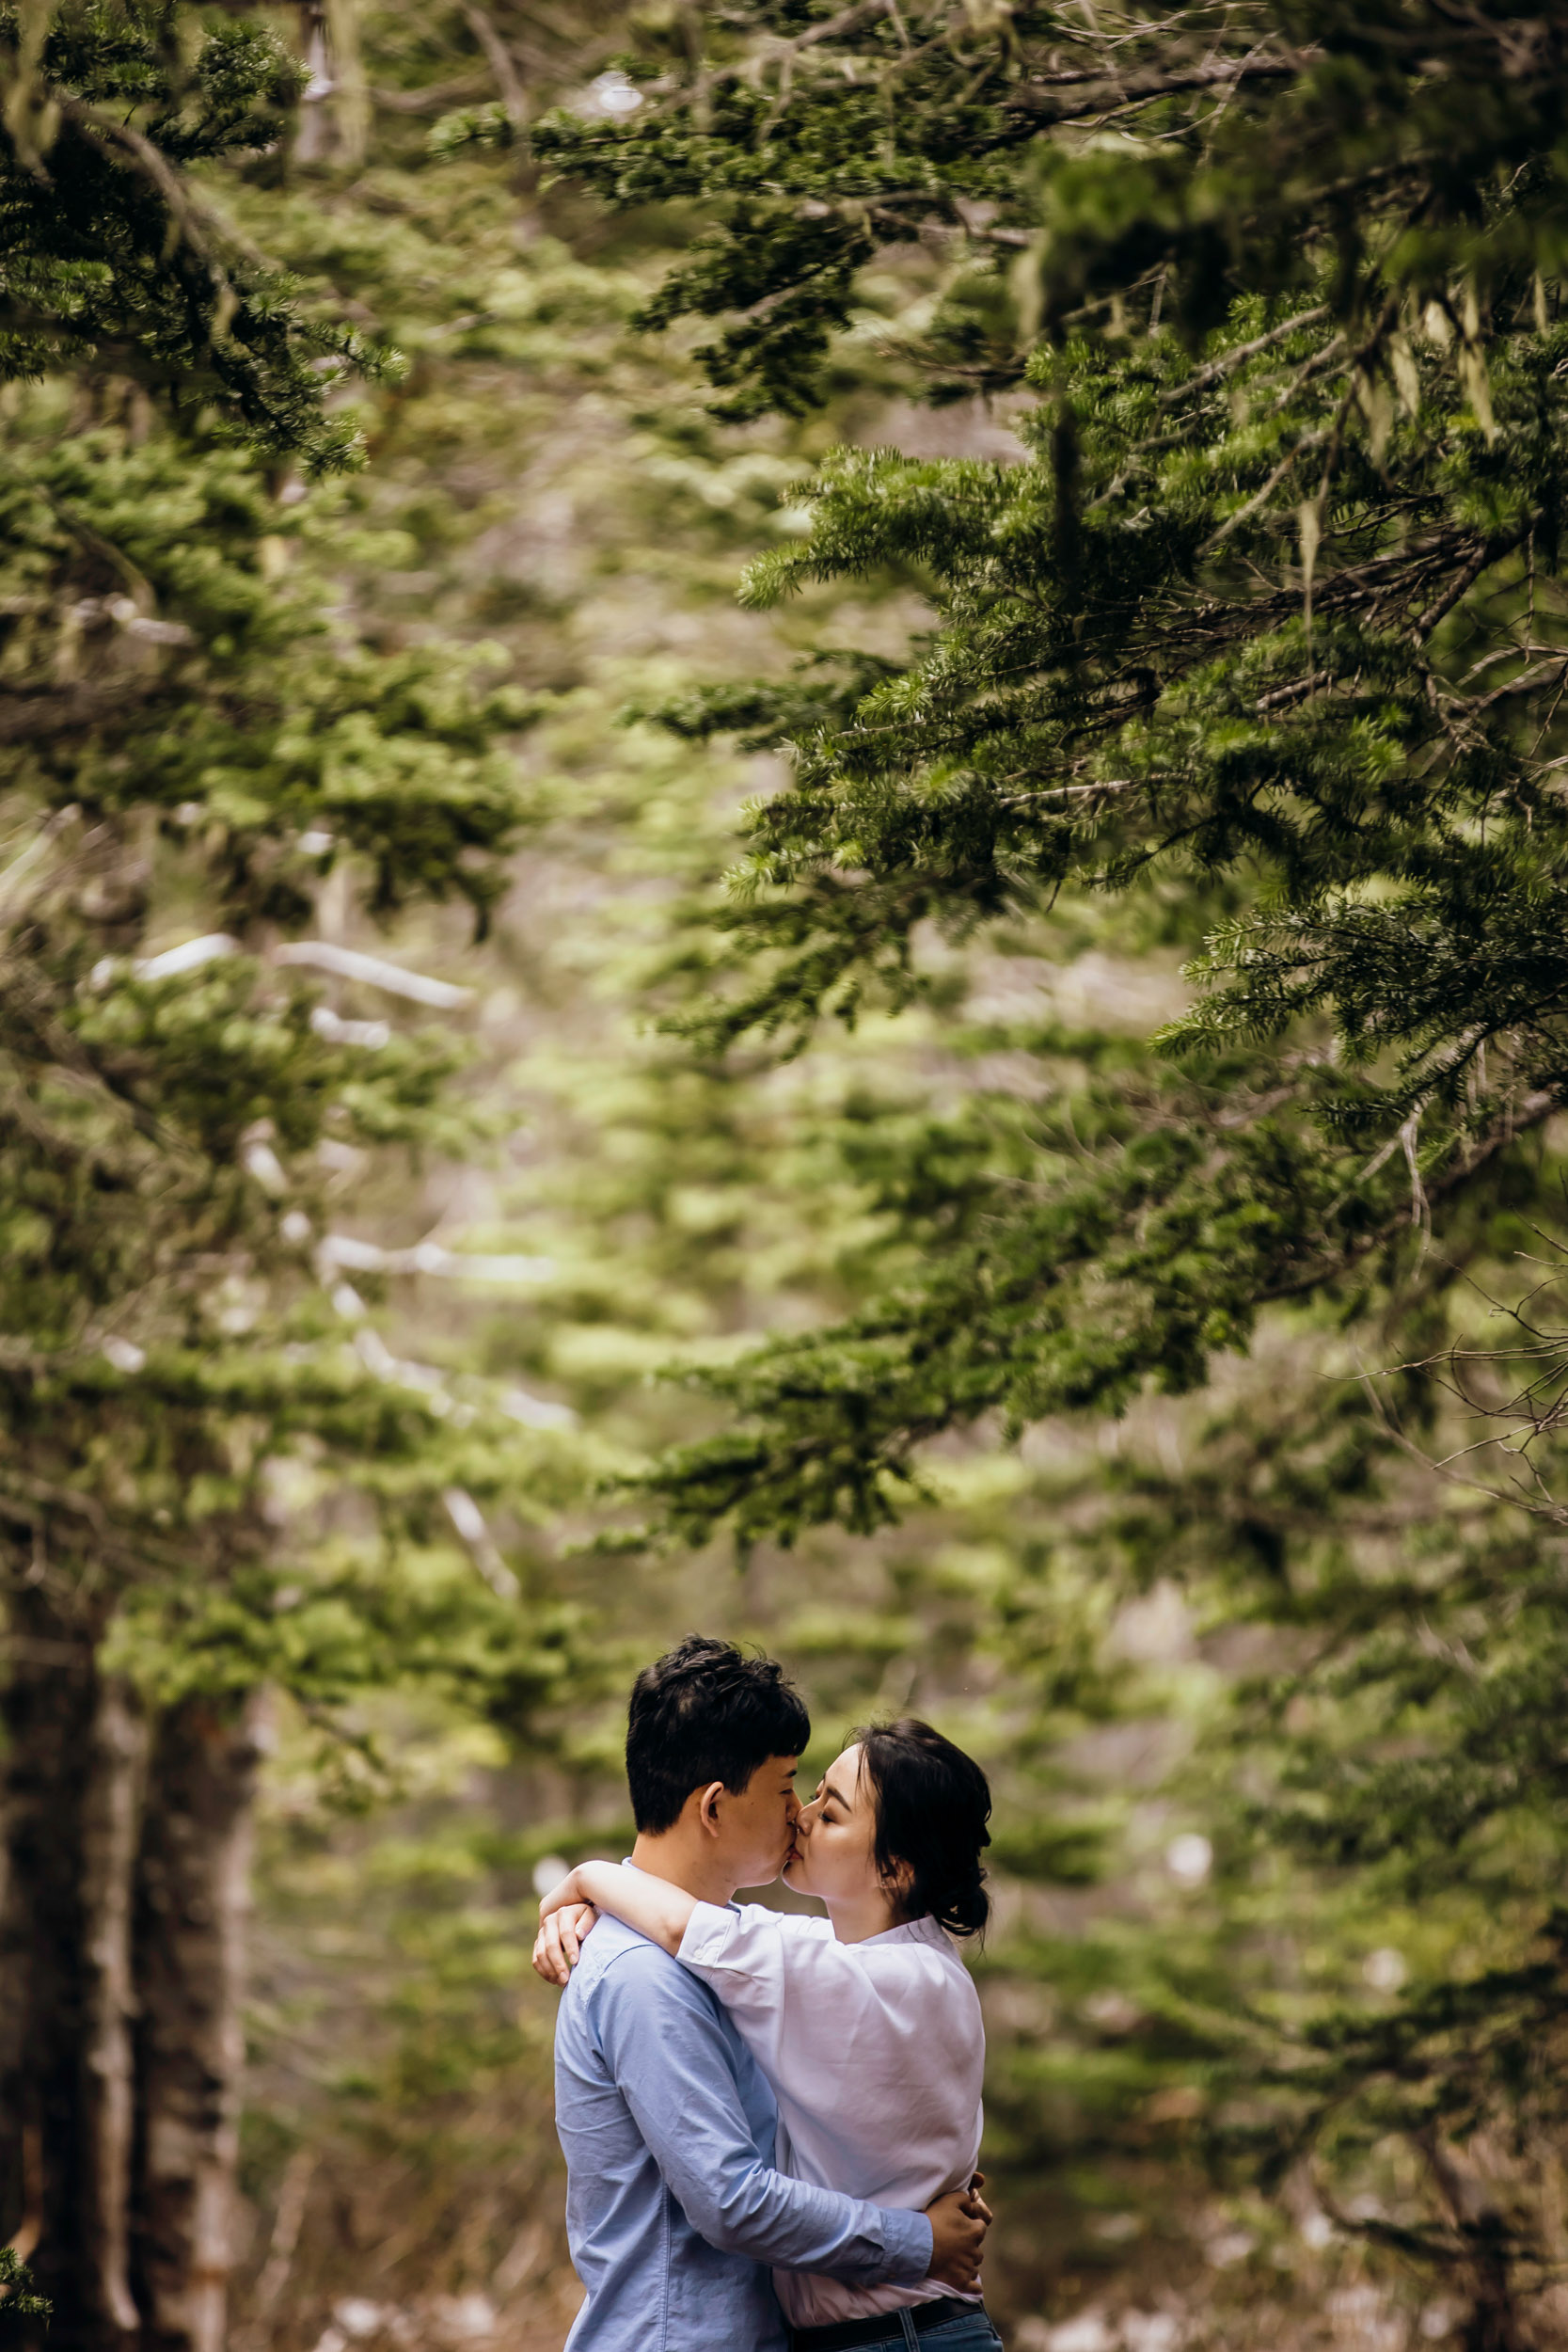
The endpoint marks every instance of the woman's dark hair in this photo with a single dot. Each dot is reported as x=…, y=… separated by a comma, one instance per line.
x=704, y=1712
x=932, y=1805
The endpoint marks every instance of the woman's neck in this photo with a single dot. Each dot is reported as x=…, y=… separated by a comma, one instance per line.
x=858, y=1918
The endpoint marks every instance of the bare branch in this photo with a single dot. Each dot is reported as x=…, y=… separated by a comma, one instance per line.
x=433, y=99
x=1491, y=551
x=43, y=718
x=1108, y=95
x=513, y=96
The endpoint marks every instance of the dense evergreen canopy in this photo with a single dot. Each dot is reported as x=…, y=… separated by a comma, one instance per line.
x=1267, y=626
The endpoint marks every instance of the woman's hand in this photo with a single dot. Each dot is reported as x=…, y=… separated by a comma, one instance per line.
x=564, y=1891
x=651, y=1905
x=562, y=1924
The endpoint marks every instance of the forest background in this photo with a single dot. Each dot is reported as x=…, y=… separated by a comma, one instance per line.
x=1132, y=1453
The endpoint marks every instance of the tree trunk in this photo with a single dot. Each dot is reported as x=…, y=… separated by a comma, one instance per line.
x=1493, y=2324
x=191, y=1910
x=75, y=1751
x=122, y=1907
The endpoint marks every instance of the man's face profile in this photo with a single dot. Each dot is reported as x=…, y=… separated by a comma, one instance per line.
x=760, y=1821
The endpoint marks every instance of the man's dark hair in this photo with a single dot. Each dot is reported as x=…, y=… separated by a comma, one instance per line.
x=704, y=1712
x=932, y=1802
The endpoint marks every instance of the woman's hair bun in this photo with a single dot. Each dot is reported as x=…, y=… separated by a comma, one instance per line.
x=933, y=1802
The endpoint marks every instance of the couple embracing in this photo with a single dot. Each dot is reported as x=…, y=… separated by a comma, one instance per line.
x=742, y=2091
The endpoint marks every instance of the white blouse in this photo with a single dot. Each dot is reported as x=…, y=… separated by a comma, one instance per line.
x=875, y=2052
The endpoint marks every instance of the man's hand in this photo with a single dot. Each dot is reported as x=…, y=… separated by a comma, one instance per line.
x=959, y=2224
x=557, y=1945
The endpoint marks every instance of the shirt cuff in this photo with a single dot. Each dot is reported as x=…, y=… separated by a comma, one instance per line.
x=708, y=1931
x=910, y=2244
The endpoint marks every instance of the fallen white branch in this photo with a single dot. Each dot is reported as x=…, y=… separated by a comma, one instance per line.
x=317, y=955
x=477, y=1267
x=347, y=963
x=371, y=1035
x=536, y=1412
x=189, y=956
x=379, y=1361
x=262, y=1162
x=429, y=1257
x=468, y=1520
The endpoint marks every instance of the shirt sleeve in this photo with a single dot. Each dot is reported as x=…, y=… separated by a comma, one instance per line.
x=795, y=1992
x=667, y=2052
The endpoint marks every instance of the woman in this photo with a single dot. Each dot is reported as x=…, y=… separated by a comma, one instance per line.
x=865, y=2023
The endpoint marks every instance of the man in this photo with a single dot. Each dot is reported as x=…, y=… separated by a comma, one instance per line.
x=675, y=2213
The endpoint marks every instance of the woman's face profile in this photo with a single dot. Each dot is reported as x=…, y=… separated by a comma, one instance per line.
x=835, y=1835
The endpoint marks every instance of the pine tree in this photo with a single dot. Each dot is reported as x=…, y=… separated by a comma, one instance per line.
x=1263, y=637
x=194, y=752
x=1113, y=690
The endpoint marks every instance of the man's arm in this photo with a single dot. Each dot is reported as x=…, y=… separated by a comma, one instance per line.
x=666, y=2049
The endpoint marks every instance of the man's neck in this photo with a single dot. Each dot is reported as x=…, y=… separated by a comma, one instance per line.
x=674, y=1857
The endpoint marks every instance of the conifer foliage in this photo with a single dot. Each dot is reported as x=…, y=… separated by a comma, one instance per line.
x=1271, y=618
x=1262, y=641
x=197, y=754
x=121, y=261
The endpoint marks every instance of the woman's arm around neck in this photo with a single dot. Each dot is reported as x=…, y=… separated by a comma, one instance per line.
x=652, y=1906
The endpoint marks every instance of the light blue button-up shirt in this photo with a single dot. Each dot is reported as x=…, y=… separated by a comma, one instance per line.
x=673, y=2210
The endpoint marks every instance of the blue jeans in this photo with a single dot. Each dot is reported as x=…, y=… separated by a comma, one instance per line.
x=973, y=2332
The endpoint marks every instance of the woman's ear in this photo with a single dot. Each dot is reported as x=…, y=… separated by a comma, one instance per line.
x=899, y=1883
